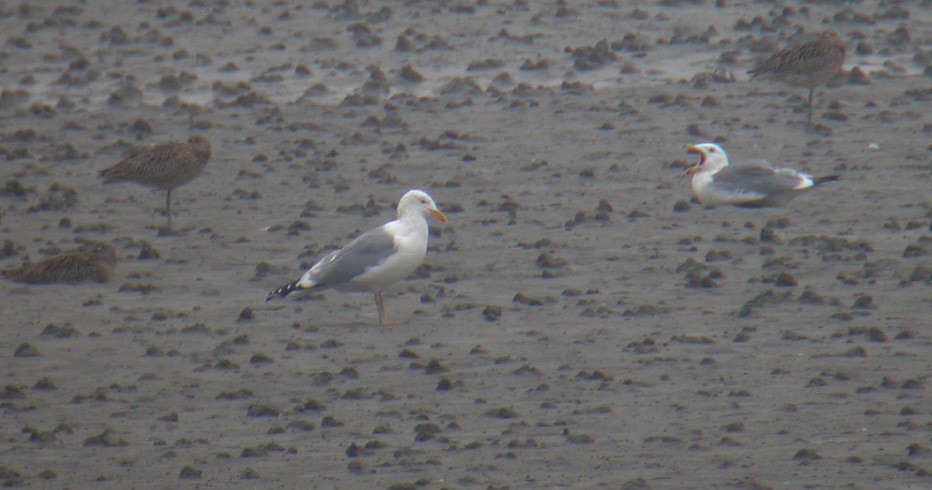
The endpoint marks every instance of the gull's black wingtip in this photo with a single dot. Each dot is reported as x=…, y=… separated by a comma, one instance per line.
x=283, y=291
x=825, y=179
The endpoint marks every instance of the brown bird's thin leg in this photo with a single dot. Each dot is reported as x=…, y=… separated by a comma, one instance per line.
x=809, y=121
x=168, y=207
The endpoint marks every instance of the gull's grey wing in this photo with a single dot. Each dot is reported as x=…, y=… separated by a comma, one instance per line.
x=341, y=266
x=766, y=183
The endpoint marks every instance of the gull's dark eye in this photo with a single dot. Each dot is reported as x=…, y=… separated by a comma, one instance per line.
x=711, y=150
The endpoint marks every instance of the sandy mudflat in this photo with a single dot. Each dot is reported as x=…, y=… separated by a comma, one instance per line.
x=576, y=325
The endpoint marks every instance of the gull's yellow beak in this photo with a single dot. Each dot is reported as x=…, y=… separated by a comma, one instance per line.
x=437, y=214
x=697, y=167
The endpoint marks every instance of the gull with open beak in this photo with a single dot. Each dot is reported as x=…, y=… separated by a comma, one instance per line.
x=376, y=259
x=716, y=182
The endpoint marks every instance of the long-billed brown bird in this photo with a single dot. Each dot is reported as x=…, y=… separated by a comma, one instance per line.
x=166, y=166
x=806, y=64
x=95, y=263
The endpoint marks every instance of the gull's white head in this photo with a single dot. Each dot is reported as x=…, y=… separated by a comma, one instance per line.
x=419, y=203
x=711, y=158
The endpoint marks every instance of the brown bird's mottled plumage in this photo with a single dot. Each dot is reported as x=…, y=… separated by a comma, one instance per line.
x=95, y=263
x=806, y=64
x=165, y=166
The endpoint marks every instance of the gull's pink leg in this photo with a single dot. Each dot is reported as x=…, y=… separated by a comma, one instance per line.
x=378, y=303
x=382, y=320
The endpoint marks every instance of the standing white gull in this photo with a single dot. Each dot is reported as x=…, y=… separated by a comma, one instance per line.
x=750, y=186
x=375, y=259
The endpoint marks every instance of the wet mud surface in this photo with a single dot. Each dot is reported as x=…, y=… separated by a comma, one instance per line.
x=580, y=323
